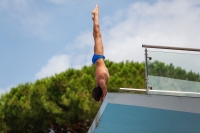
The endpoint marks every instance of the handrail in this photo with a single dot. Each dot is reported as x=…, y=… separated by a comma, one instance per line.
x=174, y=93
x=132, y=89
x=172, y=48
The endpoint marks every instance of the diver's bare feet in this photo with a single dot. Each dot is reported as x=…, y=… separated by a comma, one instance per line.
x=95, y=12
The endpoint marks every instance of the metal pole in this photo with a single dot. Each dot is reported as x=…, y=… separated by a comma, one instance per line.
x=146, y=70
x=172, y=48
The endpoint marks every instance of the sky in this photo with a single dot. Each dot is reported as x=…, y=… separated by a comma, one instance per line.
x=39, y=38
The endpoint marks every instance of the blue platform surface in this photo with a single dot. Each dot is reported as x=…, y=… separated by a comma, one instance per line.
x=119, y=118
x=141, y=113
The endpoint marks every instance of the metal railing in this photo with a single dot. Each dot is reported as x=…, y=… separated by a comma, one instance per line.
x=172, y=48
x=171, y=73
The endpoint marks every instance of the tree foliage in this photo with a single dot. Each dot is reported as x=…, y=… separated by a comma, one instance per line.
x=63, y=103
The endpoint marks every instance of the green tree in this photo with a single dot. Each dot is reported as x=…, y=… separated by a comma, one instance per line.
x=63, y=102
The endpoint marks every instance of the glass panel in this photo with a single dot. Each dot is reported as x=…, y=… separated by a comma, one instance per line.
x=173, y=71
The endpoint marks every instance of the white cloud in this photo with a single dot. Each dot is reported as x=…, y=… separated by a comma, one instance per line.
x=84, y=39
x=170, y=23
x=76, y=57
x=82, y=50
x=55, y=65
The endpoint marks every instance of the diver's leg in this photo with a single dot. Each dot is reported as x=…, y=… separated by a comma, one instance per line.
x=98, y=45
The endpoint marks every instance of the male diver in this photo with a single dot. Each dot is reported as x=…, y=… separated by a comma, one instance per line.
x=102, y=74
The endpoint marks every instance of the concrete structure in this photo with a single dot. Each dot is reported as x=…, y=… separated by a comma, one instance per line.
x=141, y=113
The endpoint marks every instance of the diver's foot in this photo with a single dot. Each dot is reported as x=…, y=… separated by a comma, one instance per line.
x=95, y=12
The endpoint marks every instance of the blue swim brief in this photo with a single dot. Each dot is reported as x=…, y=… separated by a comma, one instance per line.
x=96, y=57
